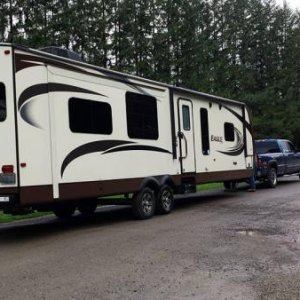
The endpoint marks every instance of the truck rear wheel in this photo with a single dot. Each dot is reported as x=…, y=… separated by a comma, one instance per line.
x=64, y=211
x=272, y=178
x=144, y=204
x=165, y=200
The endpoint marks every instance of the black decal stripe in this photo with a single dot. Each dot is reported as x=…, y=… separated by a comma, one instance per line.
x=244, y=122
x=239, y=141
x=27, y=116
x=32, y=91
x=23, y=64
x=92, y=147
x=238, y=148
x=233, y=153
x=137, y=147
x=44, y=88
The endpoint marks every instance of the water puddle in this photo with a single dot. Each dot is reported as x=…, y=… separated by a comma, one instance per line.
x=259, y=231
x=246, y=232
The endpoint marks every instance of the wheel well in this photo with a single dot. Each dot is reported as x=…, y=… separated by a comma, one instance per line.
x=168, y=181
x=151, y=183
x=273, y=165
x=155, y=183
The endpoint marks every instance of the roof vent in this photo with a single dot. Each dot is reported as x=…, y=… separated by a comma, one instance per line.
x=62, y=52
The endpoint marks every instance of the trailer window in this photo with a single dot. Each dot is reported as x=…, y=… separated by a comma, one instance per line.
x=204, y=131
x=141, y=116
x=186, y=117
x=88, y=116
x=229, y=132
x=2, y=102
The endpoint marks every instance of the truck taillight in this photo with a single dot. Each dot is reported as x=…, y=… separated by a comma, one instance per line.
x=7, y=169
x=259, y=162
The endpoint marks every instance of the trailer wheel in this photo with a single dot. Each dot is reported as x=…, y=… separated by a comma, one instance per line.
x=144, y=204
x=165, y=200
x=64, y=211
x=88, y=208
x=272, y=178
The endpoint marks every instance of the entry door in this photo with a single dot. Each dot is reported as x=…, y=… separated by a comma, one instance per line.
x=186, y=136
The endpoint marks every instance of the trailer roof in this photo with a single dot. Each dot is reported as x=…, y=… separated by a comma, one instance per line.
x=111, y=73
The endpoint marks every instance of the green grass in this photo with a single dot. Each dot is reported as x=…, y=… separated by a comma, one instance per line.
x=209, y=186
x=4, y=218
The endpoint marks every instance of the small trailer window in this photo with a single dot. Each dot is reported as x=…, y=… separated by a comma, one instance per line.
x=2, y=102
x=88, y=116
x=142, y=120
x=229, y=132
x=204, y=131
x=186, y=117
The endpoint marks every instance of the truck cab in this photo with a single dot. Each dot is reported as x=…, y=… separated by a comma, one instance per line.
x=276, y=158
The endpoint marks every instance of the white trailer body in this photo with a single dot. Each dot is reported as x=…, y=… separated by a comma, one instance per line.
x=72, y=130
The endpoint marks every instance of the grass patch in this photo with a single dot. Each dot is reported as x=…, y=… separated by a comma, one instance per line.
x=209, y=186
x=4, y=218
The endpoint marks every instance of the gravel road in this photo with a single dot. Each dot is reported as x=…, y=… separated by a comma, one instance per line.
x=215, y=245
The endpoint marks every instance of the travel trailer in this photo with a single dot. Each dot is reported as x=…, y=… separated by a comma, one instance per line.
x=73, y=132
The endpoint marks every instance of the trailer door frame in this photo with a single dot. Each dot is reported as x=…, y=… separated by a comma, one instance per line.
x=186, y=136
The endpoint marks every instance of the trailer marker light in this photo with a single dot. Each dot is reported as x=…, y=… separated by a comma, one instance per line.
x=7, y=169
x=23, y=165
x=6, y=52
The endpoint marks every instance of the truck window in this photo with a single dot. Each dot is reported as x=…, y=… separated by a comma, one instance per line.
x=88, y=116
x=266, y=147
x=2, y=102
x=292, y=147
x=204, y=131
x=229, y=132
x=142, y=120
x=287, y=146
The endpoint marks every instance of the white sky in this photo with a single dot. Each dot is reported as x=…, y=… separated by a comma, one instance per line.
x=292, y=3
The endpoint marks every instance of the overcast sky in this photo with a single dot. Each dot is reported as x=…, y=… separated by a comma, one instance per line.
x=292, y=3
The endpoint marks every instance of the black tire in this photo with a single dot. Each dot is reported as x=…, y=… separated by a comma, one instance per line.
x=165, y=200
x=88, y=208
x=230, y=185
x=144, y=204
x=272, y=178
x=64, y=211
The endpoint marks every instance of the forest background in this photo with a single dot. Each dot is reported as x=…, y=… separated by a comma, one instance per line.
x=247, y=50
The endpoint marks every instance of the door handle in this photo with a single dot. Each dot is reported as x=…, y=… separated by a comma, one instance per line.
x=182, y=136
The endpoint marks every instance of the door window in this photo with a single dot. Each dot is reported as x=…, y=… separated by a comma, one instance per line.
x=291, y=147
x=186, y=117
x=286, y=147
x=2, y=102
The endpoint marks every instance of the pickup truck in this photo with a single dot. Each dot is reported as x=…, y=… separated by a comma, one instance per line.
x=276, y=158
